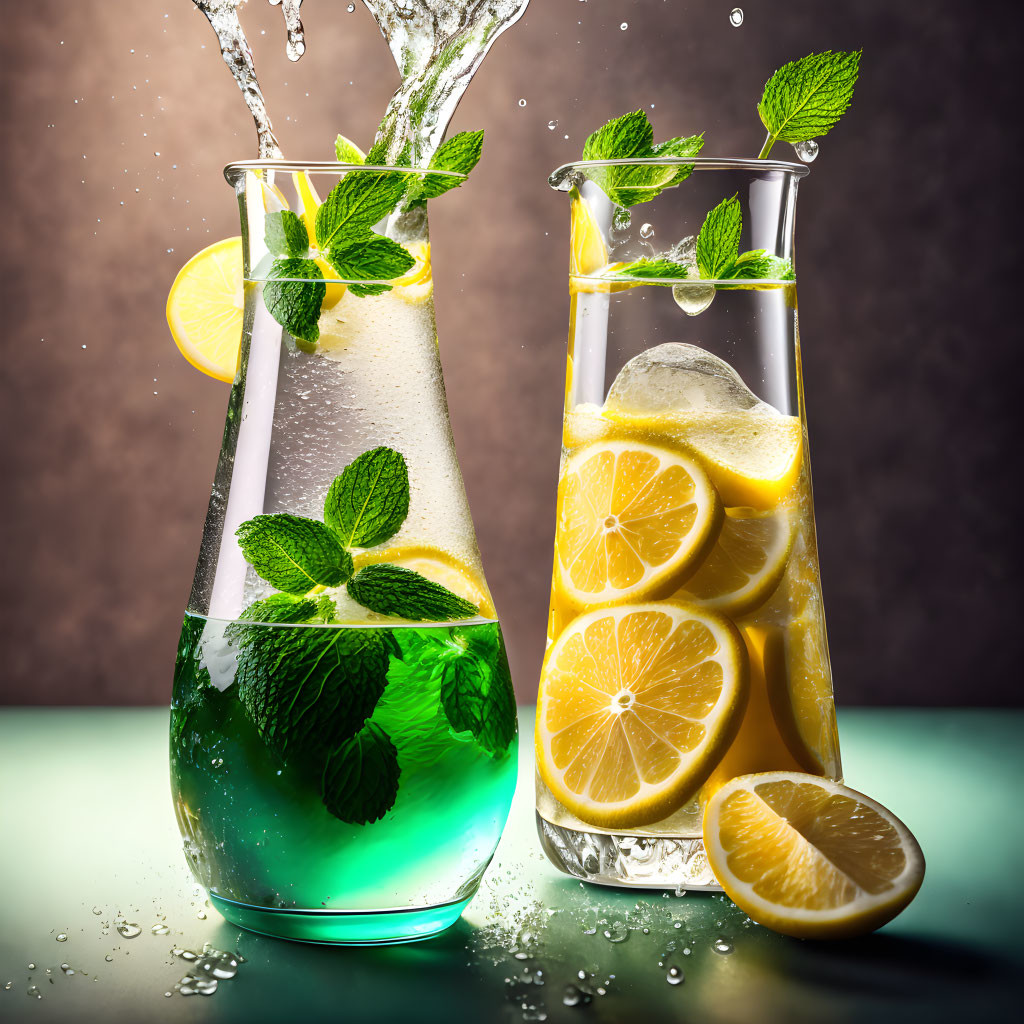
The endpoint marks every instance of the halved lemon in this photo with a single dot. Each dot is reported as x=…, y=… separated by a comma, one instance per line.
x=799, y=685
x=636, y=705
x=204, y=309
x=439, y=566
x=747, y=562
x=808, y=857
x=634, y=521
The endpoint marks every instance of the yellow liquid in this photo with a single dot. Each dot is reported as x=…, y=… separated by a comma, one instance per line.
x=757, y=462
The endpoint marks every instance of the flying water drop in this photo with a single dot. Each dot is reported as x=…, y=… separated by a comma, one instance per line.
x=736, y=17
x=646, y=231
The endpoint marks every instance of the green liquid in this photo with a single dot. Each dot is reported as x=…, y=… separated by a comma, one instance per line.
x=255, y=825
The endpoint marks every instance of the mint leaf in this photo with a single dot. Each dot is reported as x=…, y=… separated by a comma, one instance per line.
x=326, y=609
x=306, y=689
x=460, y=154
x=805, y=98
x=477, y=694
x=360, y=780
x=644, y=269
x=347, y=152
x=368, y=502
x=393, y=590
x=359, y=201
x=632, y=137
x=372, y=259
x=718, y=243
x=759, y=264
x=292, y=553
x=295, y=305
x=285, y=234
x=279, y=608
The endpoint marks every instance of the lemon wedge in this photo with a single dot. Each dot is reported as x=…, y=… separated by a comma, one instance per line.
x=204, y=309
x=808, y=857
x=634, y=519
x=636, y=704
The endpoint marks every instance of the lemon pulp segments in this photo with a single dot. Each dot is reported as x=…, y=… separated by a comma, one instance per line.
x=636, y=704
x=634, y=519
x=809, y=857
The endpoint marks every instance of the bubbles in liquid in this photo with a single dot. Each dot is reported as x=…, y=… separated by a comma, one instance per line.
x=692, y=297
x=674, y=976
x=646, y=230
x=806, y=151
x=736, y=17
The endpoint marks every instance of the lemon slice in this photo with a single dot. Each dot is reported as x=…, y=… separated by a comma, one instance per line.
x=747, y=562
x=799, y=684
x=588, y=252
x=753, y=458
x=809, y=857
x=417, y=284
x=204, y=309
x=310, y=202
x=439, y=566
x=634, y=519
x=636, y=704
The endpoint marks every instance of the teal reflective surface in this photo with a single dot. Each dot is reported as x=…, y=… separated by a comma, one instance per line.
x=86, y=823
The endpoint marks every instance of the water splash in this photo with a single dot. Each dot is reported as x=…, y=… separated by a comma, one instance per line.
x=234, y=48
x=438, y=46
x=295, y=47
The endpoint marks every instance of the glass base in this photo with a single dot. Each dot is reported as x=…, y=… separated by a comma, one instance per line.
x=343, y=927
x=640, y=862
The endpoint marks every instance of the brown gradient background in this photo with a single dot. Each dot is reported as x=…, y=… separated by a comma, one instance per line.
x=119, y=116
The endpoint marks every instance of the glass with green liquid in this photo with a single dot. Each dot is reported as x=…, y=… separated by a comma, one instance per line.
x=343, y=725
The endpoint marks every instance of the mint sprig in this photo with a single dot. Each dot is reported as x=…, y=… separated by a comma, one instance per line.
x=285, y=234
x=459, y=154
x=295, y=304
x=804, y=99
x=370, y=259
x=643, y=269
x=718, y=249
x=359, y=783
x=347, y=152
x=366, y=505
x=631, y=137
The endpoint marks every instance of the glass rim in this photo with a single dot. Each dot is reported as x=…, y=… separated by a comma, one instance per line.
x=237, y=169
x=699, y=163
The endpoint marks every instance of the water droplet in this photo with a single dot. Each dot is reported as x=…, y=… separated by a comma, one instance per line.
x=589, y=922
x=168, y=994
x=217, y=762
x=646, y=230
x=62, y=937
x=617, y=931
x=9, y=986
x=126, y=929
x=160, y=929
x=350, y=8
x=96, y=910
x=624, y=26
x=574, y=996
x=552, y=125
x=723, y=947
x=674, y=976
x=108, y=958
x=31, y=967
x=806, y=151
x=693, y=297
x=34, y=991
x=67, y=969
x=522, y=103
x=677, y=924
x=201, y=915
x=736, y=17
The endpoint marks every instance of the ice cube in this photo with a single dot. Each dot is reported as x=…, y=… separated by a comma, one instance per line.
x=674, y=377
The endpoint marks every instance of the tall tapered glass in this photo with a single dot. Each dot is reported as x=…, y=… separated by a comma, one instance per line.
x=343, y=757
x=686, y=640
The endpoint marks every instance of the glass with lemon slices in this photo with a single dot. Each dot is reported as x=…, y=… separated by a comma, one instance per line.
x=686, y=642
